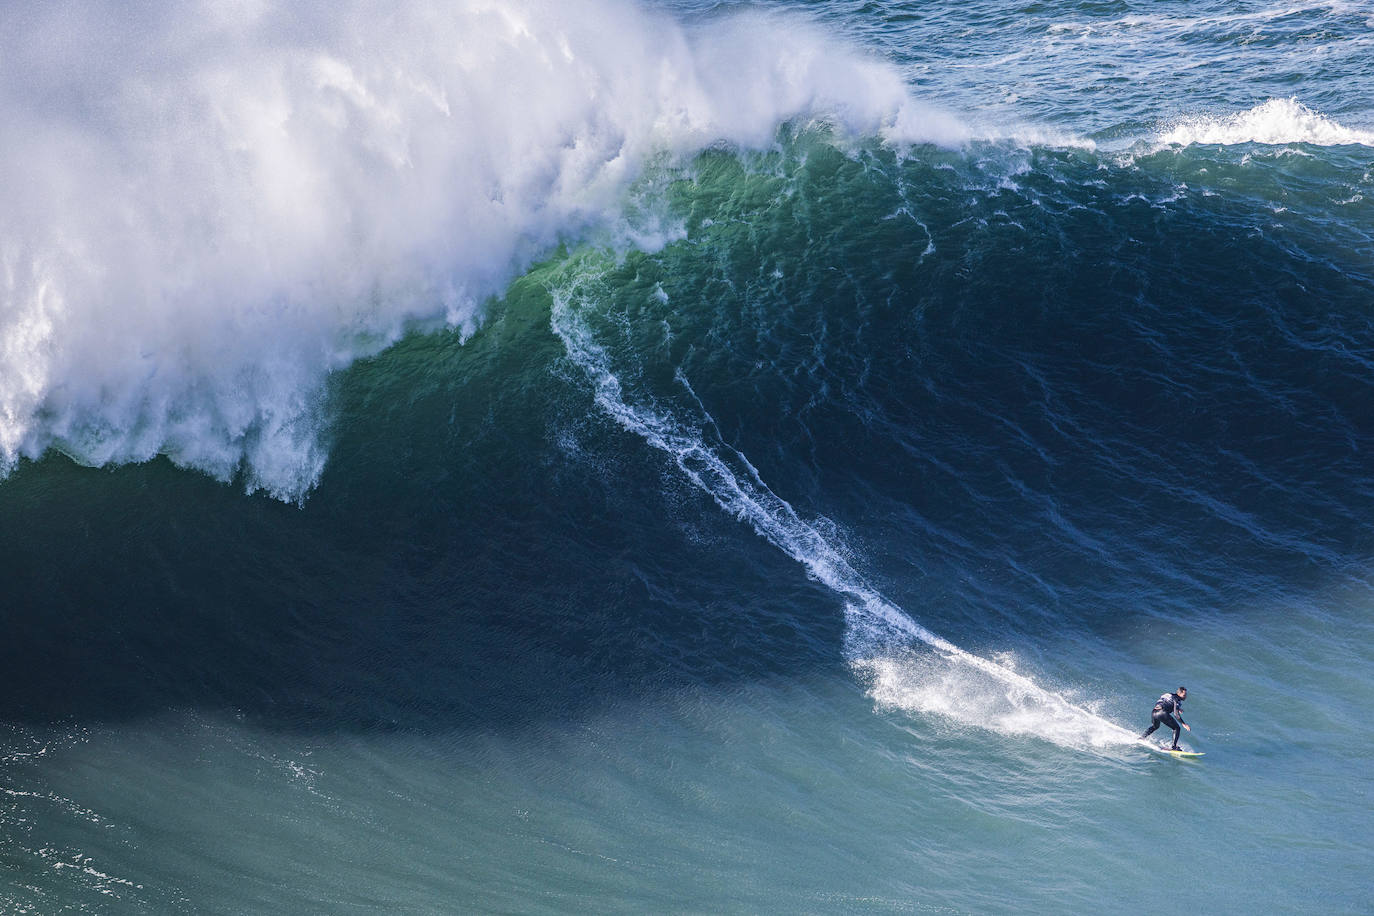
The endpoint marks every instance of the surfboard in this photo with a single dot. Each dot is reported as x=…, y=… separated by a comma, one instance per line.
x=1164, y=749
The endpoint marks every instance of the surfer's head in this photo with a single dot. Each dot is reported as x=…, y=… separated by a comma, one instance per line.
x=1182, y=692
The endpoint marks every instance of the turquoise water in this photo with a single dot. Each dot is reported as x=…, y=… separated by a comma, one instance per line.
x=686, y=458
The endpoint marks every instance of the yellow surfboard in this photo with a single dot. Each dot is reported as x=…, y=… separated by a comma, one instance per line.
x=1164, y=749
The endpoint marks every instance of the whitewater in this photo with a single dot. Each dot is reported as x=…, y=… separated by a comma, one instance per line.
x=195, y=245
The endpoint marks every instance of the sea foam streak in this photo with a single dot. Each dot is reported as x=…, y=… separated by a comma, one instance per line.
x=206, y=208
x=880, y=636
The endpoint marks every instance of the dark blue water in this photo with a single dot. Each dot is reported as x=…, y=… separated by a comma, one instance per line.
x=687, y=459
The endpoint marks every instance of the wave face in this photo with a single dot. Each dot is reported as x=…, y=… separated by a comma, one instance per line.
x=1052, y=318
x=216, y=207
x=876, y=627
x=688, y=449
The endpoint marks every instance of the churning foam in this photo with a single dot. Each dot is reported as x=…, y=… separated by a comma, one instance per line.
x=1277, y=121
x=205, y=208
x=906, y=665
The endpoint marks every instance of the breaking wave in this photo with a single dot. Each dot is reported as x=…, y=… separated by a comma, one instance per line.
x=206, y=210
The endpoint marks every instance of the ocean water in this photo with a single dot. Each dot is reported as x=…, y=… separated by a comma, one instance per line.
x=599, y=456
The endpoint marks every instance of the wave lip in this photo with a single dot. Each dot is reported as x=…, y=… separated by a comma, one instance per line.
x=1276, y=122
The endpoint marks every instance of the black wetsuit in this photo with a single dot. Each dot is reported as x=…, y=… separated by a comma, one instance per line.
x=1169, y=705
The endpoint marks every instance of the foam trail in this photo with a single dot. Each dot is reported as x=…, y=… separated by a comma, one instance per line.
x=206, y=208
x=960, y=684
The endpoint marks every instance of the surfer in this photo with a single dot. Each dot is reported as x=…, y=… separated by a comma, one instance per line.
x=1169, y=706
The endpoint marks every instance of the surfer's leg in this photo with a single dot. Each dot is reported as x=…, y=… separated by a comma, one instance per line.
x=1178, y=730
x=1155, y=719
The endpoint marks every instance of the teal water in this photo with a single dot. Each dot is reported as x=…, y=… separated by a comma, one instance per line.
x=686, y=458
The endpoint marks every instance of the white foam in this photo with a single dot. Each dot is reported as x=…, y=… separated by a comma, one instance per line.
x=882, y=641
x=205, y=208
x=1277, y=121
x=947, y=686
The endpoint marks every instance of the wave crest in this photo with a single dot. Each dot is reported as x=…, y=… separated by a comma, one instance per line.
x=1276, y=122
x=204, y=209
